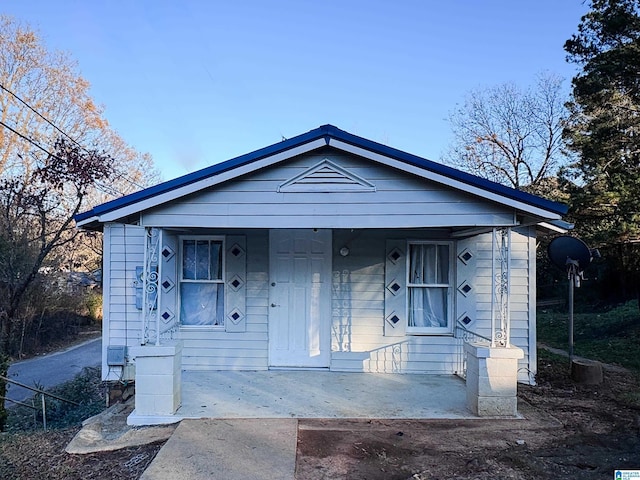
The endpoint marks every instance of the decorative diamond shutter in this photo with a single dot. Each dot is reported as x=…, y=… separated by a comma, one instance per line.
x=168, y=282
x=466, y=263
x=235, y=308
x=395, y=291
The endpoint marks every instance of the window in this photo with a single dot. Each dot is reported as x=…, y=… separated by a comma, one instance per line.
x=429, y=286
x=202, y=282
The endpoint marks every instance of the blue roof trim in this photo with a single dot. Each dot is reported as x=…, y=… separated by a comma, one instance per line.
x=199, y=175
x=328, y=132
x=450, y=172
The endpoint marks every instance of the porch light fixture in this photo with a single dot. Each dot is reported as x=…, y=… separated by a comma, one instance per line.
x=344, y=251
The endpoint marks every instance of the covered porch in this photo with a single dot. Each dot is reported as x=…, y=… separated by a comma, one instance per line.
x=315, y=394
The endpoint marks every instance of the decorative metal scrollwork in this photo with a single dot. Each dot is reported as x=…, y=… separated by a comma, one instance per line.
x=396, y=359
x=150, y=278
x=501, y=286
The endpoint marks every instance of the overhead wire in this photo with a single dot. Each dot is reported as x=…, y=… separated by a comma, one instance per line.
x=58, y=129
x=101, y=186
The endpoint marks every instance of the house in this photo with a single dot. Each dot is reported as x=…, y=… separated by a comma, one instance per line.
x=325, y=251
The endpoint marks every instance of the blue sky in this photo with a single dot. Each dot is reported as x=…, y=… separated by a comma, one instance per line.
x=196, y=82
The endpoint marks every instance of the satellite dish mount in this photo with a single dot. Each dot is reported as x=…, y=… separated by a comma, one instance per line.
x=574, y=255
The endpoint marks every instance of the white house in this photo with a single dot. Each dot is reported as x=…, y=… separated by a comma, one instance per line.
x=324, y=251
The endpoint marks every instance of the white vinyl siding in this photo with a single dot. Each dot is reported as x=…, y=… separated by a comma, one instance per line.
x=123, y=250
x=359, y=343
x=358, y=301
x=212, y=349
x=399, y=200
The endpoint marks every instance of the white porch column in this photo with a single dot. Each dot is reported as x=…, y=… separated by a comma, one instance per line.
x=158, y=382
x=492, y=377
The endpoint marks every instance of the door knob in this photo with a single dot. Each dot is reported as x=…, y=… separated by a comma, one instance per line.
x=274, y=305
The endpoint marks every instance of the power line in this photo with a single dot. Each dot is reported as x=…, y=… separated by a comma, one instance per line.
x=31, y=141
x=39, y=114
x=104, y=188
x=15, y=95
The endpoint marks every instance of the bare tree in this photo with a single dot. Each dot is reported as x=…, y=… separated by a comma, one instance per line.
x=43, y=98
x=58, y=156
x=36, y=217
x=511, y=135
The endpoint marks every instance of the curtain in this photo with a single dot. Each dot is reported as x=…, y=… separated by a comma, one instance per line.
x=202, y=304
x=202, y=260
x=429, y=273
x=427, y=307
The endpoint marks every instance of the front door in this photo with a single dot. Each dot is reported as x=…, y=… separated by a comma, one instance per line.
x=300, y=298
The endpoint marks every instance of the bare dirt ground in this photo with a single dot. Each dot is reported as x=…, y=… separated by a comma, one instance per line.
x=41, y=456
x=568, y=431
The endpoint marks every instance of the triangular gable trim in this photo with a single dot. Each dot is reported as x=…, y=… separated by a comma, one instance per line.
x=326, y=177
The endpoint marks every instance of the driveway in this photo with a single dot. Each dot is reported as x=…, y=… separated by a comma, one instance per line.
x=53, y=369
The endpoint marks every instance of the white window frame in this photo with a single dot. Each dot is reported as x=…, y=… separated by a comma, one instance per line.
x=448, y=330
x=181, y=279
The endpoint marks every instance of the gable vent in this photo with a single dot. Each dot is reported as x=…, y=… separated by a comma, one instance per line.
x=326, y=176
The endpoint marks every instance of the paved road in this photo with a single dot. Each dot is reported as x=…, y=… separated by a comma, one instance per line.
x=52, y=369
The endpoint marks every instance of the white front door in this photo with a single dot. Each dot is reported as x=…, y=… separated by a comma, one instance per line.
x=300, y=298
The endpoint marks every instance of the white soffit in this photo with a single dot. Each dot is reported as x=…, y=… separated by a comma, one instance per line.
x=553, y=228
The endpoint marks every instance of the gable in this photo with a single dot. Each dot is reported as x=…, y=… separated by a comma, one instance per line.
x=313, y=141
x=397, y=200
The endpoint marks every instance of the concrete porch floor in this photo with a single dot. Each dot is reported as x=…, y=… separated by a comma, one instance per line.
x=316, y=394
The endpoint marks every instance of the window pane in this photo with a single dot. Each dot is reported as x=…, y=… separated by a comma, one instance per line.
x=189, y=260
x=202, y=260
x=202, y=304
x=428, y=307
x=216, y=261
x=416, y=267
x=443, y=264
x=423, y=264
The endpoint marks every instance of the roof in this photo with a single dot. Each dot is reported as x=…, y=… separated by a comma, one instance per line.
x=330, y=135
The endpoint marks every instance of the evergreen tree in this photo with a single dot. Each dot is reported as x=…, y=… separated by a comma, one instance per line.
x=605, y=127
x=604, y=132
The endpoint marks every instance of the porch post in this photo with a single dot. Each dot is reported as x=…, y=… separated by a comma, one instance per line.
x=158, y=360
x=492, y=366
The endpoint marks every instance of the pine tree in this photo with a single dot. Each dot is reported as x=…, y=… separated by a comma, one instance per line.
x=605, y=131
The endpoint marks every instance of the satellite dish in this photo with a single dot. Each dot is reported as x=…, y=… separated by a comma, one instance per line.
x=565, y=250
x=574, y=255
